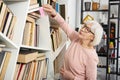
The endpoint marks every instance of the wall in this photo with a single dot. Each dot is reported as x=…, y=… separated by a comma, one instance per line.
x=78, y=13
x=70, y=11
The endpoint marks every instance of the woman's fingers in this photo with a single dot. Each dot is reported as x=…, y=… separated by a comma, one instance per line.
x=47, y=6
x=62, y=71
x=49, y=9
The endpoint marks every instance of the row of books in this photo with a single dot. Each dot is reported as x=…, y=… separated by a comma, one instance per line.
x=31, y=65
x=33, y=4
x=4, y=61
x=41, y=2
x=55, y=37
x=31, y=30
x=7, y=20
x=58, y=62
x=38, y=3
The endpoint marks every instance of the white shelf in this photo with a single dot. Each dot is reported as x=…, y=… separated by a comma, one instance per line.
x=15, y=0
x=34, y=48
x=7, y=41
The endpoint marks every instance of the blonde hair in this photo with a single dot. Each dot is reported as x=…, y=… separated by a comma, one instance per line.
x=97, y=29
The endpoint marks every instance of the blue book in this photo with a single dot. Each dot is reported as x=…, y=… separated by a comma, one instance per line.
x=57, y=7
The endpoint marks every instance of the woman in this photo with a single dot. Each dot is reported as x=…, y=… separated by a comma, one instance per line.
x=80, y=60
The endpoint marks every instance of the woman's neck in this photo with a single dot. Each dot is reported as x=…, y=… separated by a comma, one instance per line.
x=86, y=44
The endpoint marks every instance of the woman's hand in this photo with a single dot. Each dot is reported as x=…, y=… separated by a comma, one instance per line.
x=66, y=74
x=50, y=10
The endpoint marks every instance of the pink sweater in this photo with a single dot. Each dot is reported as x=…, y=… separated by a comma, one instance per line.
x=81, y=62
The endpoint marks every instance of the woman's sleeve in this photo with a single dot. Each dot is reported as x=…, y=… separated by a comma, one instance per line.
x=72, y=34
x=91, y=68
x=77, y=78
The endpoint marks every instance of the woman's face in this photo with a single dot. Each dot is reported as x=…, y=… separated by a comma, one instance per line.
x=86, y=33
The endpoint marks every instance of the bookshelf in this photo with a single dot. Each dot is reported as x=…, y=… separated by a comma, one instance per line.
x=113, y=56
x=20, y=8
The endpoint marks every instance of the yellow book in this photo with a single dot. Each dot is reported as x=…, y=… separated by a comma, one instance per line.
x=5, y=65
x=26, y=35
x=26, y=56
x=3, y=15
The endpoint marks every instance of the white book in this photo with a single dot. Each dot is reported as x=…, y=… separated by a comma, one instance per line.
x=43, y=2
x=34, y=6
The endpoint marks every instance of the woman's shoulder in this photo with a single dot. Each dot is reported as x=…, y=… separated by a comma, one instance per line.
x=91, y=54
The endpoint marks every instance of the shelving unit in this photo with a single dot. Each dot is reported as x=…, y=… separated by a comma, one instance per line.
x=102, y=50
x=114, y=24
x=20, y=9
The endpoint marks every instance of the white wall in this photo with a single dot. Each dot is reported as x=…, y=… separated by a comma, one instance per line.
x=78, y=13
x=71, y=13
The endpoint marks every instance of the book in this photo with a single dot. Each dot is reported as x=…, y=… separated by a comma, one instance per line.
x=2, y=58
x=62, y=11
x=5, y=65
x=34, y=70
x=16, y=71
x=2, y=12
x=34, y=15
x=27, y=56
x=38, y=70
x=57, y=7
x=21, y=71
x=1, y=49
x=45, y=70
x=7, y=23
x=30, y=19
x=3, y=16
x=41, y=69
x=54, y=42
x=11, y=28
x=32, y=2
x=34, y=6
x=21, y=65
x=39, y=2
x=2, y=45
x=31, y=71
x=32, y=34
x=43, y=2
x=26, y=36
x=25, y=71
x=40, y=56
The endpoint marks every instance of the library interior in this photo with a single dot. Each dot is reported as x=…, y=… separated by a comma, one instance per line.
x=66, y=40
